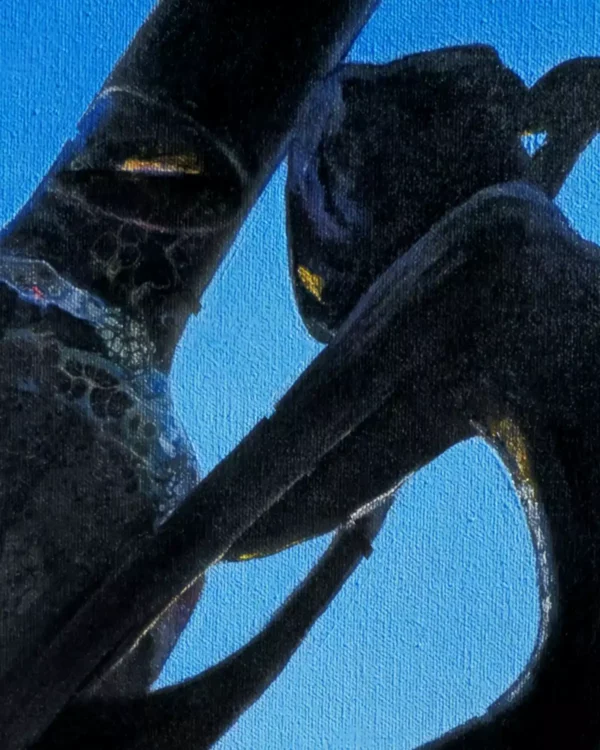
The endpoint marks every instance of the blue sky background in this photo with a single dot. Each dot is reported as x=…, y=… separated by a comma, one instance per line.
x=441, y=619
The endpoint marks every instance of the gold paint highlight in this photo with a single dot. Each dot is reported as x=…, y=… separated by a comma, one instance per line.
x=267, y=553
x=312, y=282
x=507, y=432
x=173, y=164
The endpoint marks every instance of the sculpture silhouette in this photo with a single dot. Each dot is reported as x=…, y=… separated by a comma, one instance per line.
x=473, y=312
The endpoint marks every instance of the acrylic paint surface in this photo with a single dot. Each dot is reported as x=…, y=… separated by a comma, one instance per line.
x=440, y=620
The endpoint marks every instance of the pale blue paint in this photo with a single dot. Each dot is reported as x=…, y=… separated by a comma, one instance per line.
x=533, y=142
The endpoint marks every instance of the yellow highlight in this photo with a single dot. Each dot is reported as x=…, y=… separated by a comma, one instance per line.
x=507, y=432
x=267, y=553
x=312, y=282
x=174, y=164
x=249, y=556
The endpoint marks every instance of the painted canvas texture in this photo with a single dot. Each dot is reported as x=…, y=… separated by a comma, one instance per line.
x=299, y=375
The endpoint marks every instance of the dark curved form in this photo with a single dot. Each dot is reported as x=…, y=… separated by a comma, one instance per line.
x=384, y=153
x=388, y=150
x=140, y=208
x=393, y=148
x=515, y=360
x=418, y=365
x=199, y=711
x=98, y=274
x=565, y=104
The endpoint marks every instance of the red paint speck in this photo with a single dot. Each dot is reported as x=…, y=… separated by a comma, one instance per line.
x=37, y=292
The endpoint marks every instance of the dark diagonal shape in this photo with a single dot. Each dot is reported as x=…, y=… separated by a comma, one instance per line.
x=484, y=324
x=382, y=154
x=98, y=275
x=197, y=712
x=521, y=372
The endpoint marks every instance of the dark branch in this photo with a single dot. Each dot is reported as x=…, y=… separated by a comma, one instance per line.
x=196, y=713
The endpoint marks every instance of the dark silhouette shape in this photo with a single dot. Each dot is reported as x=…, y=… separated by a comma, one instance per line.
x=433, y=128
x=395, y=147
x=197, y=712
x=98, y=274
x=456, y=337
x=385, y=151
x=514, y=362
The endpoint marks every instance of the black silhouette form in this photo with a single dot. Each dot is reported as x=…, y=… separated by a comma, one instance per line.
x=433, y=127
x=99, y=273
x=380, y=155
x=515, y=364
x=483, y=324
